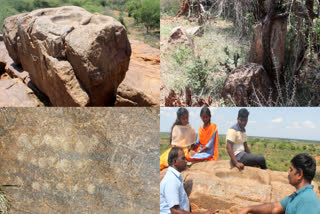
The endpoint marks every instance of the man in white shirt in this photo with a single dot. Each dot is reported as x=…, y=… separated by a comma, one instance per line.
x=173, y=197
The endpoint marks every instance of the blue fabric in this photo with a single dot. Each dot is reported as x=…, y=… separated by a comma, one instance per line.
x=303, y=201
x=172, y=192
x=207, y=153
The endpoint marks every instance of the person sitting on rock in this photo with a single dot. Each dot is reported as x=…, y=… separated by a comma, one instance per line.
x=237, y=146
x=173, y=197
x=304, y=200
x=206, y=147
x=182, y=135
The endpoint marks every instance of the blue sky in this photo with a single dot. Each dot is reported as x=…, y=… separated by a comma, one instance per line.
x=292, y=123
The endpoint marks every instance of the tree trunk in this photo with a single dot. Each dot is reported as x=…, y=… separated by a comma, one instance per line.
x=267, y=61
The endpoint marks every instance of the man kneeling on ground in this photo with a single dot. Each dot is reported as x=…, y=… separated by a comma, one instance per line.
x=304, y=200
x=237, y=146
x=173, y=197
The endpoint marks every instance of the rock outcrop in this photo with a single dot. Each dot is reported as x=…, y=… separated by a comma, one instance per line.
x=278, y=43
x=248, y=84
x=76, y=58
x=80, y=160
x=14, y=93
x=179, y=36
x=213, y=185
x=141, y=84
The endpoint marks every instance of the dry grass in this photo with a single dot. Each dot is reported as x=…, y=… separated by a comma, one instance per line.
x=4, y=205
x=218, y=35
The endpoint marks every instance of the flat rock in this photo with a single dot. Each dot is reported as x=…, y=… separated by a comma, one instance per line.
x=14, y=93
x=76, y=58
x=80, y=160
x=141, y=84
x=195, y=31
x=214, y=185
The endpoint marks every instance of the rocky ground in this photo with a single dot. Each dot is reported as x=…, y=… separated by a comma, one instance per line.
x=80, y=160
x=53, y=76
x=214, y=185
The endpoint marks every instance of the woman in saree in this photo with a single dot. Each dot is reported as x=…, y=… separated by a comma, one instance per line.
x=207, y=142
x=182, y=135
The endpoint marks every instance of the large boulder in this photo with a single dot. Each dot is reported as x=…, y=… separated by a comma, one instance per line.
x=248, y=84
x=215, y=185
x=278, y=43
x=80, y=160
x=14, y=93
x=76, y=58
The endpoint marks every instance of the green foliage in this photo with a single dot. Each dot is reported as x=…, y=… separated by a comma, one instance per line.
x=121, y=20
x=283, y=146
x=229, y=62
x=132, y=6
x=148, y=14
x=182, y=54
x=293, y=147
x=197, y=74
x=170, y=7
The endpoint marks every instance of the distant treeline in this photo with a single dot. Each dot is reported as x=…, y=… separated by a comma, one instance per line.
x=146, y=12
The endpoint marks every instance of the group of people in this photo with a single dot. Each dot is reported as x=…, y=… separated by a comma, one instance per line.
x=206, y=146
x=173, y=198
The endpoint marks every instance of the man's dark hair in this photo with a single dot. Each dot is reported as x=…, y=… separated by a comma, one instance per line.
x=243, y=113
x=306, y=163
x=173, y=155
x=206, y=110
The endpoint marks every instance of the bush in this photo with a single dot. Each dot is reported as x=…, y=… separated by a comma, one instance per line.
x=182, y=54
x=170, y=7
x=283, y=146
x=197, y=74
x=121, y=20
x=148, y=14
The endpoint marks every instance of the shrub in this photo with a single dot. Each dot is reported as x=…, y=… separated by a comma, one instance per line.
x=197, y=74
x=170, y=7
x=182, y=54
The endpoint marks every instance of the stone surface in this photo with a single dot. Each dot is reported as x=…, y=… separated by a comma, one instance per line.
x=4, y=56
x=76, y=58
x=214, y=185
x=178, y=36
x=141, y=84
x=246, y=83
x=80, y=160
x=14, y=93
x=278, y=42
x=195, y=31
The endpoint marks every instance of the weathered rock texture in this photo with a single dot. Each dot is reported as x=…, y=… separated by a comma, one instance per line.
x=76, y=58
x=214, y=185
x=76, y=160
x=141, y=84
x=14, y=93
x=278, y=43
x=247, y=84
x=178, y=36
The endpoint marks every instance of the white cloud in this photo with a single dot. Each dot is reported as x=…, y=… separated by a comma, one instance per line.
x=309, y=124
x=277, y=120
x=294, y=125
x=253, y=121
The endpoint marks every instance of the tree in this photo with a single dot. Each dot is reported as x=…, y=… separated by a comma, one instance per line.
x=148, y=14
